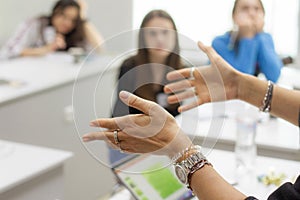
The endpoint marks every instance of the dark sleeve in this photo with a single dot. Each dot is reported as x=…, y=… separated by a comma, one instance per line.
x=125, y=82
x=287, y=191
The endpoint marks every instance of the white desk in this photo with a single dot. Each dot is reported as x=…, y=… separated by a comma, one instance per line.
x=31, y=172
x=290, y=78
x=274, y=137
x=41, y=73
x=224, y=163
x=41, y=112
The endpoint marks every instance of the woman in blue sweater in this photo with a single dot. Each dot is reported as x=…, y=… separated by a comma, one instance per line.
x=247, y=47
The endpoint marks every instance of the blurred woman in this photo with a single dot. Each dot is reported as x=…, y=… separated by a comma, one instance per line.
x=144, y=74
x=247, y=47
x=66, y=27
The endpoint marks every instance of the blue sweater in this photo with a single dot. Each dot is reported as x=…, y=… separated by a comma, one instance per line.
x=258, y=50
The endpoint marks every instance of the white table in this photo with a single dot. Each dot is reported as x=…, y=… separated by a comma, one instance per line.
x=31, y=172
x=39, y=74
x=208, y=127
x=41, y=112
x=224, y=163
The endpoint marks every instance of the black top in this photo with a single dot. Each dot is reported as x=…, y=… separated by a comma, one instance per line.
x=141, y=81
x=287, y=191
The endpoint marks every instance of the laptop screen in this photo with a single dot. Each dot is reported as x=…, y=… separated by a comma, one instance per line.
x=151, y=177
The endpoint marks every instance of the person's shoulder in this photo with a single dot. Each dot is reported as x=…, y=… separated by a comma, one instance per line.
x=29, y=24
x=221, y=40
x=34, y=20
x=129, y=63
x=223, y=37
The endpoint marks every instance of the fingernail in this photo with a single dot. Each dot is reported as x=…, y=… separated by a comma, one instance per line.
x=85, y=139
x=124, y=94
x=93, y=124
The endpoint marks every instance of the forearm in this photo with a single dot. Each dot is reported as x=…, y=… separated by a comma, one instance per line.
x=36, y=51
x=208, y=184
x=93, y=37
x=285, y=103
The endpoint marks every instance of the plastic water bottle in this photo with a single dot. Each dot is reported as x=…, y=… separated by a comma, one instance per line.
x=245, y=147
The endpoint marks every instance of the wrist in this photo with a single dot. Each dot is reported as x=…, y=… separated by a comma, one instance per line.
x=179, y=145
x=242, y=84
x=49, y=48
x=190, y=162
x=184, y=154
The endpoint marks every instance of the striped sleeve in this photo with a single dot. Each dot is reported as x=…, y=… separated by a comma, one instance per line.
x=25, y=36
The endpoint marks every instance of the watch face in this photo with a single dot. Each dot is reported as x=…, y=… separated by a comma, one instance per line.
x=180, y=173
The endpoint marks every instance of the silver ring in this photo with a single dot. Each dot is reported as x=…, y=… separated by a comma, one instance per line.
x=192, y=72
x=117, y=141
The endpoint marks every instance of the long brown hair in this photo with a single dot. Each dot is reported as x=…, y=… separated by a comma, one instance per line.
x=145, y=88
x=142, y=56
x=76, y=37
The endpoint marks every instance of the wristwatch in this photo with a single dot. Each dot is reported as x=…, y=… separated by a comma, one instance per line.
x=184, y=168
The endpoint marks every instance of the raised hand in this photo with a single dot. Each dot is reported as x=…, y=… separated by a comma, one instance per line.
x=217, y=82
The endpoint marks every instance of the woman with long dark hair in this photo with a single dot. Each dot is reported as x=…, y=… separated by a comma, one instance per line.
x=66, y=27
x=144, y=74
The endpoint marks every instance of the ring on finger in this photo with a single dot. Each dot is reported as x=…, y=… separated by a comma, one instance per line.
x=117, y=141
x=192, y=72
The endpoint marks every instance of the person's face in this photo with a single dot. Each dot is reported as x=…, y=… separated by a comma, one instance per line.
x=159, y=36
x=65, y=21
x=248, y=9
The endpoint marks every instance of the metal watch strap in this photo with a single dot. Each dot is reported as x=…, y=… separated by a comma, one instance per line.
x=189, y=165
x=195, y=168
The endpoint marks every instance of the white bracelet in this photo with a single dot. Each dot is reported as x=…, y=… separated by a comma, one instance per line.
x=183, y=152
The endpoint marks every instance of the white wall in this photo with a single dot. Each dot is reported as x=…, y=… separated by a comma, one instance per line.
x=110, y=16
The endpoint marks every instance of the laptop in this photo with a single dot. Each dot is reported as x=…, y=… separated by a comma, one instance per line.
x=150, y=177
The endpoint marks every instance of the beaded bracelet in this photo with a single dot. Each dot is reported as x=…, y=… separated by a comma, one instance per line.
x=185, y=151
x=266, y=107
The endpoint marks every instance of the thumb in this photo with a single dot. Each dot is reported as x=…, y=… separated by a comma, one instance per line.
x=136, y=102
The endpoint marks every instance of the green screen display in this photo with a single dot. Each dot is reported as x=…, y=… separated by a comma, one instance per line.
x=162, y=180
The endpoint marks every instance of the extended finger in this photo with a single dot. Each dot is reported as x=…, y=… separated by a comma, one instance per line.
x=136, y=102
x=178, y=86
x=95, y=136
x=189, y=106
x=179, y=97
x=109, y=123
x=179, y=74
x=210, y=52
